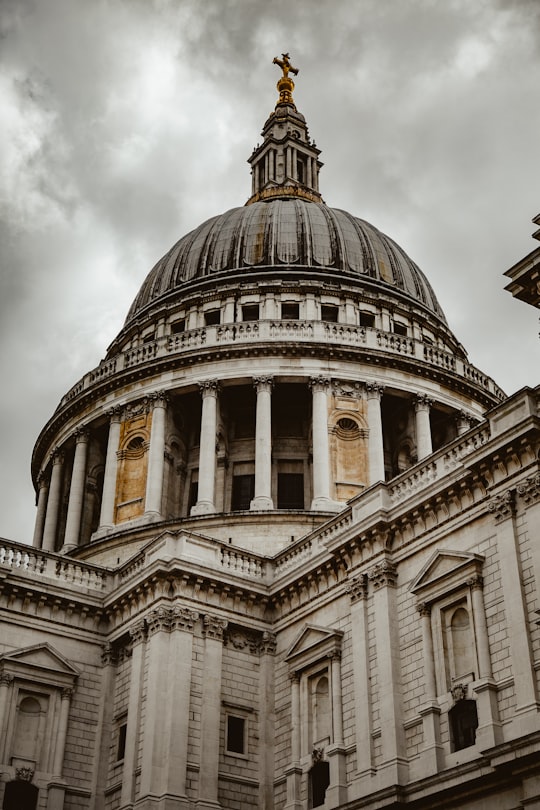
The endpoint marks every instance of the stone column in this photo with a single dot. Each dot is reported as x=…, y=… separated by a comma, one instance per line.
x=5, y=683
x=336, y=794
x=137, y=634
x=207, y=449
x=108, y=497
x=263, y=445
x=100, y=764
x=53, y=503
x=293, y=772
x=156, y=456
x=43, y=491
x=525, y=717
x=76, y=491
x=489, y=731
x=214, y=627
x=393, y=768
x=60, y=741
x=432, y=751
x=361, y=676
x=463, y=423
x=321, y=460
x=375, y=441
x=267, y=649
x=422, y=406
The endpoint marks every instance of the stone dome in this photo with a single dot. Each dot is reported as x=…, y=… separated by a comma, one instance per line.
x=287, y=237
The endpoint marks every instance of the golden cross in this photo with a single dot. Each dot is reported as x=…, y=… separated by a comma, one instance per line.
x=285, y=65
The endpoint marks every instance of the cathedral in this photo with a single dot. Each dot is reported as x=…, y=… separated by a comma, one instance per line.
x=286, y=541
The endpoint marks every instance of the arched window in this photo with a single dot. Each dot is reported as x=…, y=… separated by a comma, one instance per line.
x=321, y=711
x=20, y=795
x=460, y=632
x=27, y=729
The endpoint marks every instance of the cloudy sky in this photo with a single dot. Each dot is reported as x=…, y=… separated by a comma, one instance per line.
x=126, y=124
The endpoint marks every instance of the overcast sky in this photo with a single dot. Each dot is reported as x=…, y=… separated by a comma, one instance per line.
x=126, y=124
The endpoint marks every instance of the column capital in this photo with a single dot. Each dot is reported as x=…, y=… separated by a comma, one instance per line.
x=6, y=678
x=294, y=676
x=334, y=655
x=159, y=619
x=502, y=506
x=67, y=693
x=357, y=588
x=209, y=388
x=182, y=618
x=81, y=435
x=423, y=609
x=319, y=384
x=374, y=390
x=422, y=402
x=529, y=489
x=114, y=413
x=383, y=574
x=159, y=399
x=42, y=480
x=263, y=383
x=267, y=643
x=137, y=632
x=57, y=456
x=476, y=581
x=214, y=626
x=109, y=655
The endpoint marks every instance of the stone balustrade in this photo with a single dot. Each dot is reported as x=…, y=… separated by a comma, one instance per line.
x=278, y=331
x=23, y=559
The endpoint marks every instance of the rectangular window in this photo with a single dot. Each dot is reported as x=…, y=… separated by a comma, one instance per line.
x=400, y=329
x=193, y=494
x=121, y=747
x=329, y=312
x=149, y=338
x=250, y=312
x=290, y=312
x=178, y=327
x=212, y=317
x=367, y=319
x=290, y=491
x=243, y=491
x=236, y=735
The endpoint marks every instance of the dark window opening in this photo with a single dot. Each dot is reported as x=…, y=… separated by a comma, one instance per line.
x=243, y=490
x=121, y=748
x=236, y=728
x=319, y=779
x=250, y=312
x=300, y=171
x=290, y=491
x=400, y=329
x=329, y=312
x=20, y=795
x=212, y=317
x=193, y=494
x=149, y=338
x=178, y=326
x=290, y=312
x=367, y=319
x=463, y=724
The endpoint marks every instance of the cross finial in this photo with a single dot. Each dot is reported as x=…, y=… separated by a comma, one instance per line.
x=285, y=65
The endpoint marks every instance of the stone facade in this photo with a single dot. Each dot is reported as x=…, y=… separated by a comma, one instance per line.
x=285, y=551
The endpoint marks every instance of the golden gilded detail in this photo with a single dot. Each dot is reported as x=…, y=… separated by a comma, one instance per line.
x=285, y=84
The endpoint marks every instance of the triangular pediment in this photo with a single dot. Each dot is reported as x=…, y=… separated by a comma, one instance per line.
x=40, y=657
x=446, y=566
x=312, y=644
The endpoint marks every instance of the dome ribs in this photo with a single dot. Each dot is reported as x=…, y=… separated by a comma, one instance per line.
x=365, y=260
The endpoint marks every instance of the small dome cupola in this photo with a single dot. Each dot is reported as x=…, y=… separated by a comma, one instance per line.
x=286, y=164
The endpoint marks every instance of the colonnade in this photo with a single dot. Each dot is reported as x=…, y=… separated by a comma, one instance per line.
x=50, y=488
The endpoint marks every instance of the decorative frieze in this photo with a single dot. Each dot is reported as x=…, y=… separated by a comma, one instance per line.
x=214, y=626
x=529, y=490
x=383, y=574
x=502, y=506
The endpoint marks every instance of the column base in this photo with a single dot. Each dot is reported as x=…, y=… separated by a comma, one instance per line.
x=261, y=503
x=203, y=508
x=326, y=505
x=336, y=793
x=206, y=804
x=167, y=802
x=67, y=547
x=293, y=775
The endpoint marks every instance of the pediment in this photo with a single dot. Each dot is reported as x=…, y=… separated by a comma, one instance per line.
x=312, y=644
x=40, y=661
x=446, y=569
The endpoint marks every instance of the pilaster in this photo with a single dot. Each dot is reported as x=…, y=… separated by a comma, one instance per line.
x=137, y=634
x=430, y=712
x=357, y=589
